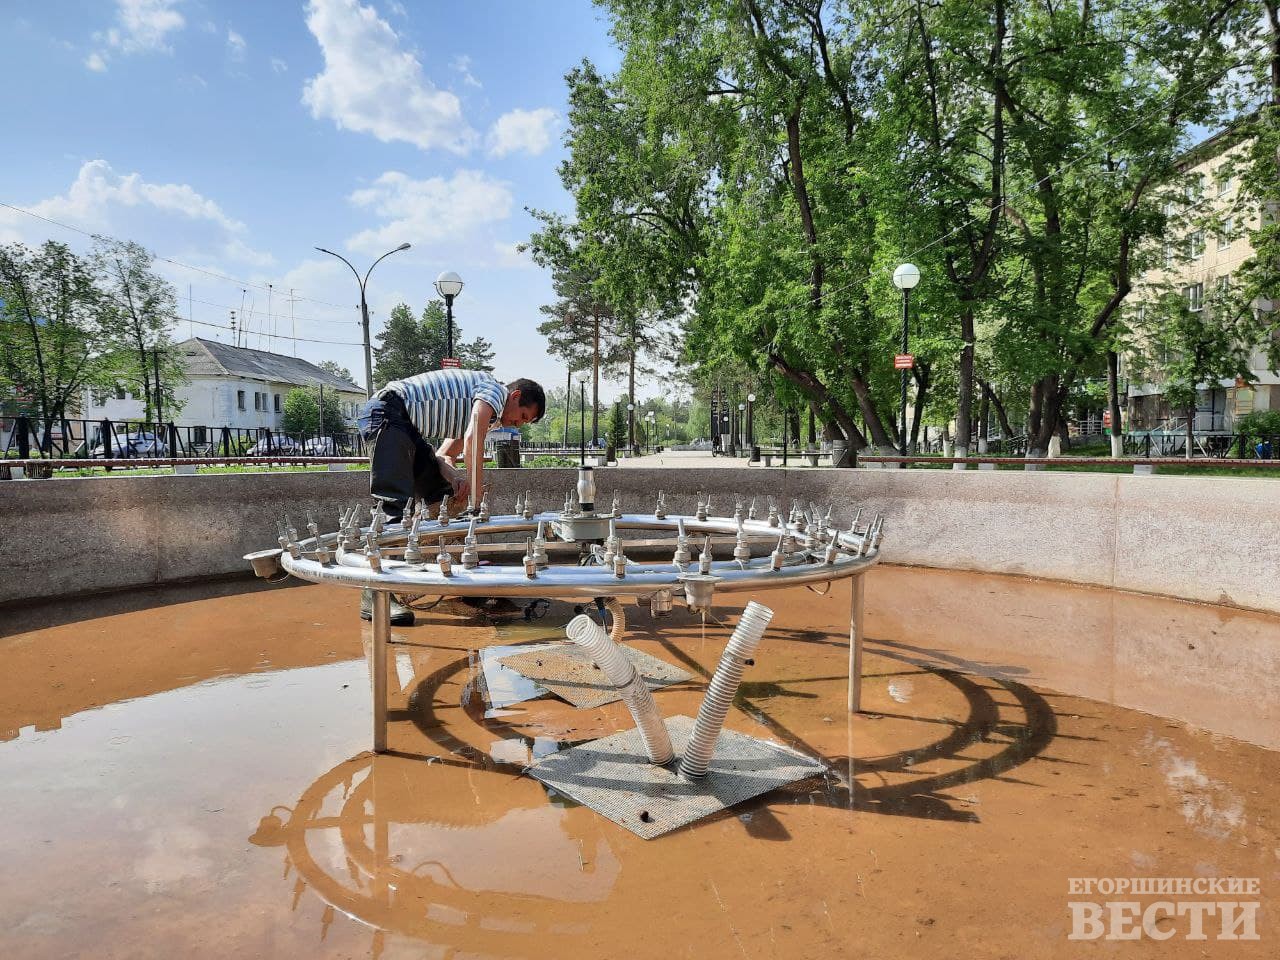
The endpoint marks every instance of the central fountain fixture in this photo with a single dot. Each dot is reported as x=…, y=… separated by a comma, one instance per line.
x=645, y=557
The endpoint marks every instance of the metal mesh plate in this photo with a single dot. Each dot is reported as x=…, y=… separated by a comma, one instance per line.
x=614, y=777
x=565, y=670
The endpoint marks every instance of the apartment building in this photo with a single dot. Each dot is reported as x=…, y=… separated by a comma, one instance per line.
x=1208, y=242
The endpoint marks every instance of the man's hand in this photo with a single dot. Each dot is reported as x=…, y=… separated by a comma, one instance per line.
x=461, y=485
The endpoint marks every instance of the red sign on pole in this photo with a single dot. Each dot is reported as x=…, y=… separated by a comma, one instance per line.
x=450, y=362
x=1106, y=419
x=903, y=361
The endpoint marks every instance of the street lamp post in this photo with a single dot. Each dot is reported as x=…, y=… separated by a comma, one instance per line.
x=364, y=309
x=905, y=278
x=742, y=426
x=631, y=429
x=751, y=435
x=582, y=377
x=449, y=285
x=653, y=440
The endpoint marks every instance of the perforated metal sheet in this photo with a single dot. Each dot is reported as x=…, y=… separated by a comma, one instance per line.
x=614, y=777
x=565, y=670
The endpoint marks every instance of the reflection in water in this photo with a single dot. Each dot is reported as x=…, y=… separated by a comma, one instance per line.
x=418, y=848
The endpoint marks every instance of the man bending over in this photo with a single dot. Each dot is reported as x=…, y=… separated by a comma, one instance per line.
x=454, y=406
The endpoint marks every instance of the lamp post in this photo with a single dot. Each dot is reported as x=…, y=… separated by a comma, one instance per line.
x=653, y=441
x=905, y=278
x=751, y=435
x=449, y=285
x=582, y=376
x=631, y=428
x=742, y=425
x=364, y=309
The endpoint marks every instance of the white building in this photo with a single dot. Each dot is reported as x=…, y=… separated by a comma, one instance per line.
x=232, y=387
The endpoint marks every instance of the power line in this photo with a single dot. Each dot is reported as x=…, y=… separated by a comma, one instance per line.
x=169, y=260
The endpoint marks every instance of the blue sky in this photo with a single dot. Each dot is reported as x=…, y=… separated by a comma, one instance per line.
x=235, y=136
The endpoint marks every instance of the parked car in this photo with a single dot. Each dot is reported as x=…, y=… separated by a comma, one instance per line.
x=327, y=447
x=277, y=446
x=139, y=444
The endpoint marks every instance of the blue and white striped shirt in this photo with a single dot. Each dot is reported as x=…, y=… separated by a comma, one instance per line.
x=439, y=402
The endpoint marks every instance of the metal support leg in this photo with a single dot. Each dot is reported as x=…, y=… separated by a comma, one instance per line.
x=378, y=670
x=858, y=592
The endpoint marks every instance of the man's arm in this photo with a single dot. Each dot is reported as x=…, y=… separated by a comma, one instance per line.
x=473, y=444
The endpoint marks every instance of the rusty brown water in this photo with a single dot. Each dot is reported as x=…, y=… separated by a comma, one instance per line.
x=182, y=773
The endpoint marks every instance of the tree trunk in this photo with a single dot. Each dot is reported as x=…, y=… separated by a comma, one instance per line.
x=964, y=413
x=1113, y=403
x=984, y=415
x=568, y=405
x=1006, y=428
x=880, y=437
x=595, y=377
x=922, y=377
x=1191, y=429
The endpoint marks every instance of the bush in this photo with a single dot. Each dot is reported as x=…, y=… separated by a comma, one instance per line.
x=1254, y=426
x=550, y=462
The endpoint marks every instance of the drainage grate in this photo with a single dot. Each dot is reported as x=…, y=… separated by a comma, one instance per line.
x=614, y=777
x=566, y=671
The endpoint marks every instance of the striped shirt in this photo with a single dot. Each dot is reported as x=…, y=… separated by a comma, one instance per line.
x=439, y=402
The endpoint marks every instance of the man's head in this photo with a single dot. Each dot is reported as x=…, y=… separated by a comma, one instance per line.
x=526, y=403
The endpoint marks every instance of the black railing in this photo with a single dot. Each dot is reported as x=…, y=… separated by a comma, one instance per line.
x=28, y=437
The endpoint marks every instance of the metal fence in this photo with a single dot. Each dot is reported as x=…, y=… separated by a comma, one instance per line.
x=29, y=437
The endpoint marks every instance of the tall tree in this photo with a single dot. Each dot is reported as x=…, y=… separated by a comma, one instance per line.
x=140, y=304
x=337, y=369
x=408, y=346
x=54, y=331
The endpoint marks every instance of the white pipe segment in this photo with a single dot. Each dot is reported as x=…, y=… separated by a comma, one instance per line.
x=589, y=635
x=722, y=689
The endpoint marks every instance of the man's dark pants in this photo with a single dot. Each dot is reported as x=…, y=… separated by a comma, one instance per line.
x=401, y=464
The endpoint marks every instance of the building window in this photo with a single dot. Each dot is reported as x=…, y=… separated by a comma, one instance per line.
x=1195, y=244
x=257, y=400
x=1168, y=256
x=1195, y=187
x=120, y=392
x=1225, y=182
x=1195, y=296
x=1228, y=233
x=277, y=403
x=240, y=399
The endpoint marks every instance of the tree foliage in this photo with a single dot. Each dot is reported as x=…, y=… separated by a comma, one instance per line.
x=757, y=168
x=300, y=413
x=410, y=345
x=55, y=328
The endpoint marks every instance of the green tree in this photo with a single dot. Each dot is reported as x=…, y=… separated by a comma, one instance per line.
x=408, y=346
x=337, y=369
x=54, y=331
x=301, y=412
x=139, y=305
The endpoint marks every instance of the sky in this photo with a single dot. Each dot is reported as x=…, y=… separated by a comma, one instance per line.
x=231, y=137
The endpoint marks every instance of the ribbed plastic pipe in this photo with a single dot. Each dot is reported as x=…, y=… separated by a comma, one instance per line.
x=589, y=635
x=722, y=689
x=619, y=628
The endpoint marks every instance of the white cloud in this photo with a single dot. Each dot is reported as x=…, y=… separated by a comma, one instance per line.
x=126, y=206
x=462, y=65
x=508, y=255
x=235, y=45
x=371, y=85
x=422, y=211
x=141, y=26
x=144, y=25
x=278, y=65
x=397, y=8
x=527, y=130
